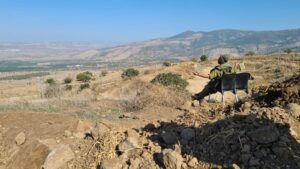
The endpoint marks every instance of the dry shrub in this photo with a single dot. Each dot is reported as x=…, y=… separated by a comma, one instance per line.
x=139, y=95
x=52, y=91
x=103, y=148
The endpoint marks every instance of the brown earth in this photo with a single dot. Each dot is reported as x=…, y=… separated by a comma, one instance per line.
x=136, y=124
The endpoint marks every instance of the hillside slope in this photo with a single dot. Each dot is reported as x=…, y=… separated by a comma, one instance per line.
x=190, y=43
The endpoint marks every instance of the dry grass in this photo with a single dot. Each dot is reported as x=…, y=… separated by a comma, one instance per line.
x=103, y=149
x=139, y=95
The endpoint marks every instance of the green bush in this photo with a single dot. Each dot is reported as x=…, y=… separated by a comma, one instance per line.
x=84, y=86
x=104, y=73
x=167, y=63
x=129, y=73
x=50, y=81
x=68, y=80
x=203, y=58
x=250, y=53
x=84, y=76
x=171, y=80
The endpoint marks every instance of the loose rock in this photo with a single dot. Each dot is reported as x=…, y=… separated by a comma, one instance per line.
x=129, y=144
x=187, y=134
x=59, y=157
x=20, y=139
x=169, y=138
x=265, y=135
x=172, y=159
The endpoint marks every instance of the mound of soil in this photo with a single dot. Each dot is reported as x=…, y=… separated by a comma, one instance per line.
x=279, y=93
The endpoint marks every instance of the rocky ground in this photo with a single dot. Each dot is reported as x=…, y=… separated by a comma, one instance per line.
x=161, y=128
x=245, y=135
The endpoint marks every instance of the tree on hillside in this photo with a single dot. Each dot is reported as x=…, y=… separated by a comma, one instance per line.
x=203, y=58
x=288, y=51
x=250, y=53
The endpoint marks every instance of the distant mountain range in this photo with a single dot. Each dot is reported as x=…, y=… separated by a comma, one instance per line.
x=184, y=45
x=190, y=44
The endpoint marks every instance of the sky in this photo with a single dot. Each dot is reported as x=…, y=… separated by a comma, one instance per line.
x=121, y=21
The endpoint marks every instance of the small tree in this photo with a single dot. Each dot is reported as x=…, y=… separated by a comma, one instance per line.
x=50, y=81
x=167, y=63
x=84, y=76
x=129, y=73
x=84, y=86
x=288, y=51
x=250, y=53
x=203, y=58
x=172, y=80
x=68, y=80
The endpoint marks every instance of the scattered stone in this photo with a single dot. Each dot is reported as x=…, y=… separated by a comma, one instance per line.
x=193, y=162
x=187, y=134
x=254, y=162
x=31, y=156
x=295, y=130
x=245, y=158
x=246, y=148
x=184, y=166
x=172, y=159
x=177, y=148
x=294, y=109
x=99, y=130
x=114, y=163
x=84, y=126
x=235, y=166
x=132, y=133
x=195, y=103
x=128, y=144
x=282, y=152
x=265, y=134
x=59, y=157
x=169, y=138
x=20, y=138
x=135, y=163
x=246, y=106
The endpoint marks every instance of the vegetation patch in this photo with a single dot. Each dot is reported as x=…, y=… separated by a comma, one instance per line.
x=68, y=80
x=129, y=73
x=203, y=58
x=167, y=63
x=171, y=80
x=84, y=76
x=84, y=86
x=25, y=76
x=50, y=81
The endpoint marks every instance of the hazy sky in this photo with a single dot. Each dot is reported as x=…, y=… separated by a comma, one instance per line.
x=135, y=20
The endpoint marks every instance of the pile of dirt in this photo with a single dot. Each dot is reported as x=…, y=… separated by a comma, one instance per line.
x=279, y=93
x=252, y=138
